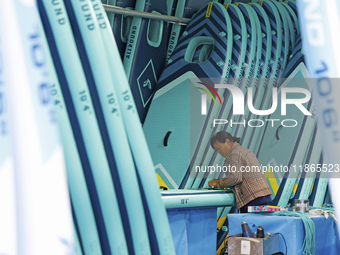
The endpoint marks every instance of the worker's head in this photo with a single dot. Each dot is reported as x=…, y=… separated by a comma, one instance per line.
x=222, y=142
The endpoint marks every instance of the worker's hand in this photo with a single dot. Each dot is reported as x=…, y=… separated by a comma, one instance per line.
x=213, y=183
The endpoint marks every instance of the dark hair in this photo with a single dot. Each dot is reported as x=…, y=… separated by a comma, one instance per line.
x=221, y=137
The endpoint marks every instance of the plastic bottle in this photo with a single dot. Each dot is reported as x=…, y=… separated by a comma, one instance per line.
x=260, y=232
x=245, y=230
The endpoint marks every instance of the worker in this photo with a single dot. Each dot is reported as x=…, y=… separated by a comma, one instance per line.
x=244, y=176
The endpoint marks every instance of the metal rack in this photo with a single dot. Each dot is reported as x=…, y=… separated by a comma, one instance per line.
x=128, y=12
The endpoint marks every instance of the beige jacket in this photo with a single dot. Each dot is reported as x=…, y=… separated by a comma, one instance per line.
x=244, y=176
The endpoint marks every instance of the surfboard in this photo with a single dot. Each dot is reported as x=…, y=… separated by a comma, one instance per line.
x=120, y=24
x=237, y=69
x=320, y=188
x=268, y=58
x=194, y=57
x=250, y=59
x=258, y=70
x=274, y=178
x=294, y=18
x=279, y=161
x=328, y=197
x=295, y=59
x=77, y=246
x=180, y=199
x=288, y=30
x=171, y=10
x=112, y=129
x=305, y=168
x=306, y=181
x=251, y=138
x=320, y=185
x=292, y=4
x=197, y=198
x=261, y=61
x=321, y=181
x=184, y=9
x=265, y=66
x=79, y=105
x=79, y=193
x=289, y=182
x=43, y=218
x=156, y=217
x=8, y=228
x=147, y=44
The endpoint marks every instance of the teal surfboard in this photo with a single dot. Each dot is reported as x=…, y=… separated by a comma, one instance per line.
x=265, y=63
x=173, y=199
x=184, y=9
x=156, y=217
x=79, y=192
x=268, y=59
x=320, y=186
x=121, y=24
x=288, y=34
x=145, y=53
x=278, y=139
x=78, y=99
x=307, y=178
x=111, y=126
x=285, y=190
x=250, y=59
x=295, y=59
x=77, y=247
x=294, y=18
x=237, y=71
x=278, y=50
x=194, y=57
x=261, y=63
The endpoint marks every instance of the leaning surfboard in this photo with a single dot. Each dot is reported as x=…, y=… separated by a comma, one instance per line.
x=202, y=51
x=84, y=123
x=155, y=214
x=184, y=9
x=237, y=70
x=101, y=86
x=212, y=157
x=121, y=24
x=265, y=66
x=278, y=50
x=145, y=53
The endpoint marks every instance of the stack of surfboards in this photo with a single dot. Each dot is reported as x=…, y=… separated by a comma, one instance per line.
x=147, y=44
x=235, y=43
x=67, y=47
x=103, y=121
x=249, y=46
x=306, y=179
